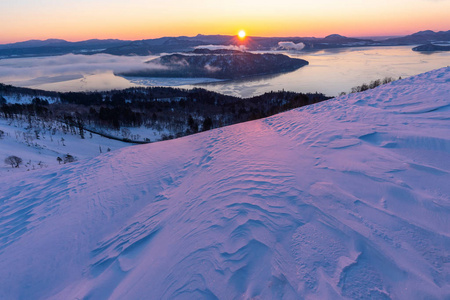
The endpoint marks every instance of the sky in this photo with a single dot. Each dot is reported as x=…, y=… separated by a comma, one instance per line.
x=76, y=20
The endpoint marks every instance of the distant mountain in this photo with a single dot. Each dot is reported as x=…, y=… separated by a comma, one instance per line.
x=421, y=37
x=56, y=47
x=221, y=64
x=35, y=43
x=155, y=46
x=336, y=41
x=181, y=44
x=185, y=43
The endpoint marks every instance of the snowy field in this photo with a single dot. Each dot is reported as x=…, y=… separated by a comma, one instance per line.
x=348, y=198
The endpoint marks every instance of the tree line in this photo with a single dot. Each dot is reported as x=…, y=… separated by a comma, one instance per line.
x=177, y=111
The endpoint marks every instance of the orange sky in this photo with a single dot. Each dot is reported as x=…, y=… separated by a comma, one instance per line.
x=140, y=19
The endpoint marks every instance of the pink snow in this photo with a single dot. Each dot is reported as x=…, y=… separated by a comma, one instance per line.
x=348, y=198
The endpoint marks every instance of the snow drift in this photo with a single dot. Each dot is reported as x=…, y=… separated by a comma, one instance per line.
x=347, y=198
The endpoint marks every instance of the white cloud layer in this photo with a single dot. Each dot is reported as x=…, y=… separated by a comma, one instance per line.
x=291, y=46
x=21, y=69
x=217, y=47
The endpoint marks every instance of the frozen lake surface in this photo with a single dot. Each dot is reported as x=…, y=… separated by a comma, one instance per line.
x=330, y=72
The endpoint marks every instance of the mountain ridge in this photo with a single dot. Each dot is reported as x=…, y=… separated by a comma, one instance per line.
x=183, y=43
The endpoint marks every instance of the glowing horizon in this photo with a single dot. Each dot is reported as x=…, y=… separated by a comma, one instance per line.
x=142, y=19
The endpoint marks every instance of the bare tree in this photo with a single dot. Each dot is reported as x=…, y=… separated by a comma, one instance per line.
x=13, y=160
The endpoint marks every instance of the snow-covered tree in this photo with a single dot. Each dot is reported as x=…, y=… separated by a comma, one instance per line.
x=13, y=160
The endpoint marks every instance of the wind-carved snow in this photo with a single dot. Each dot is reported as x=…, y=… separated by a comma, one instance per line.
x=347, y=198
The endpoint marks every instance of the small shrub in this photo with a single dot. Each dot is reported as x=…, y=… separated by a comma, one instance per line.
x=68, y=158
x=373, y=84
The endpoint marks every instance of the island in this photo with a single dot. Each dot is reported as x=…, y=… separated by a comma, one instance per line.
x=431, y=48
x=219, y=64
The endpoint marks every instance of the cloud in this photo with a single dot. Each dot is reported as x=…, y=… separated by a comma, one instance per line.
x=212, y=69
x=183, y=63
x=23, y=69
x=228, y=47
x=291, y=46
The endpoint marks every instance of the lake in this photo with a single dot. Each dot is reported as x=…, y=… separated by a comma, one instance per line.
x=329, y=71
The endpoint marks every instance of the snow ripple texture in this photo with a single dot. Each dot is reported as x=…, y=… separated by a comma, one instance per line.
x=347, y=198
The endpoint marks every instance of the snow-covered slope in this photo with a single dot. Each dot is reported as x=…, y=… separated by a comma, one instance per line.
x=40, y=145
x=348, y=198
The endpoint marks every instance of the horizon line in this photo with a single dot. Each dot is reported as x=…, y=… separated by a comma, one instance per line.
x=200, y=34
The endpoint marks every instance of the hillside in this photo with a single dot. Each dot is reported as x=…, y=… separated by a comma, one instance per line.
x=137, y=115
x=40, y=146
x=347, y=198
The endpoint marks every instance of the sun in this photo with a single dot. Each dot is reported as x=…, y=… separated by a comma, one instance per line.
x=241, y=34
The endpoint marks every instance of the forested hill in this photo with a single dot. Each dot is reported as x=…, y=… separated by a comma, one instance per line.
x=220, y=64
x=176, y=112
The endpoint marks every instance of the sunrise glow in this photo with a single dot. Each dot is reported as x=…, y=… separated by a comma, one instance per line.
x=241, y=34
x=142, y=19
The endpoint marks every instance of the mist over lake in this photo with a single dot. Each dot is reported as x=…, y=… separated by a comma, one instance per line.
x=329, y=71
